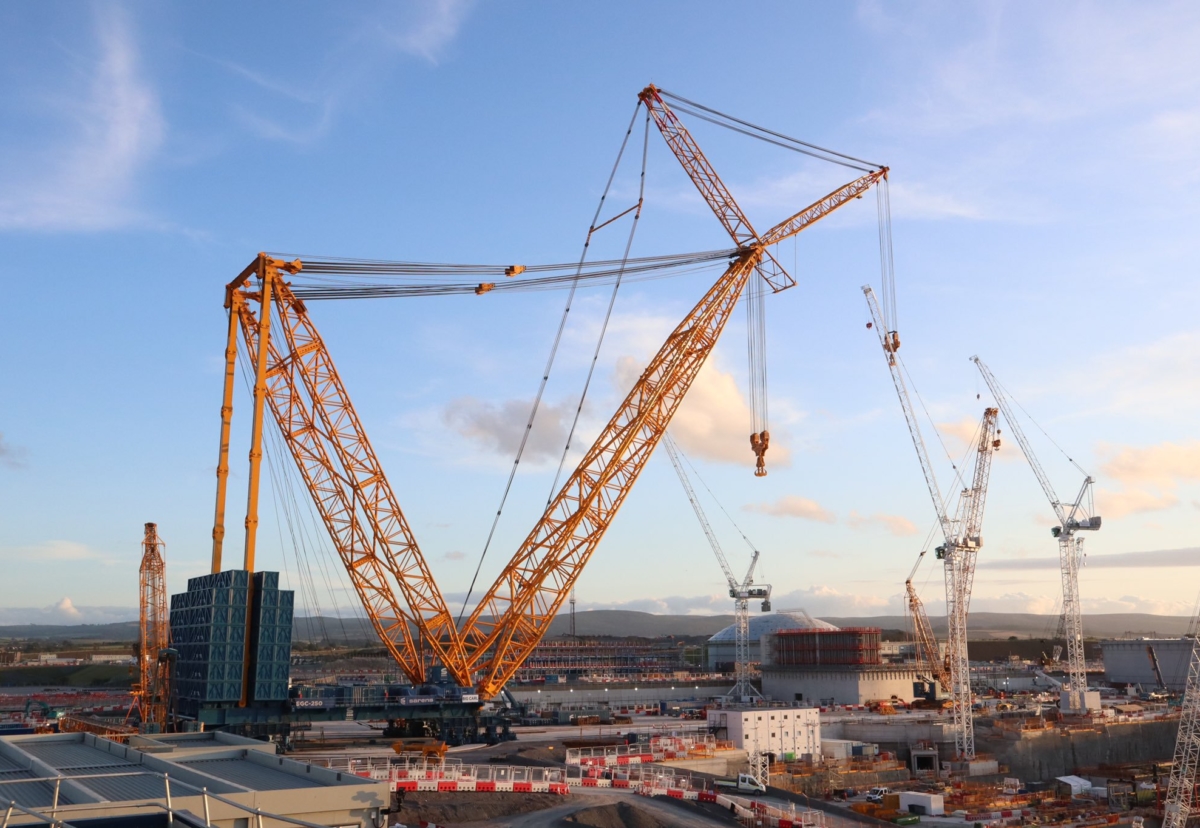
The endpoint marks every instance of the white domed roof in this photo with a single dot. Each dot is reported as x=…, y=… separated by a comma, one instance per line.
x=761, y=625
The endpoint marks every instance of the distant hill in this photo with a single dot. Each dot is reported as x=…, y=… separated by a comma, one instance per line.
x=647, y=625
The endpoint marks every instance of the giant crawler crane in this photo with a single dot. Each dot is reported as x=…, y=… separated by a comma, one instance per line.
x=1072, y=517
x=296, y=384
x=962, y=532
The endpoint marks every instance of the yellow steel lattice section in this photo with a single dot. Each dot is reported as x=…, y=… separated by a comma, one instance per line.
x=155, y=630
x=514, y=614
x=357, y=506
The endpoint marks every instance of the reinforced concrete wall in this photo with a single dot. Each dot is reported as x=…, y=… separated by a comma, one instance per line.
x=837, y=686
x=1127, y=661
x=1053, y=753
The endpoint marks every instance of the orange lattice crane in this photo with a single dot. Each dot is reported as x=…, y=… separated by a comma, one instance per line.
x=152, y=693
x=295, y=379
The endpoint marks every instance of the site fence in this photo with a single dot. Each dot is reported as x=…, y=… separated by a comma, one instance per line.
x=657, y=749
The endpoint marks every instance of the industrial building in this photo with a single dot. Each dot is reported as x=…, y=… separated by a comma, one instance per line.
x=203, y=778
x=790, y=733
x=1131, y=661
x=721, y=646
x=826, y=666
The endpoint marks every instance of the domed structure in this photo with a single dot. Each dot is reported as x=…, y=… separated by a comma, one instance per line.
x=721, y=645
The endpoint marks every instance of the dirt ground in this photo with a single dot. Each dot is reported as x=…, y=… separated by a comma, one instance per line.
x=468, y=806
x=708, y=809
x=614, y=815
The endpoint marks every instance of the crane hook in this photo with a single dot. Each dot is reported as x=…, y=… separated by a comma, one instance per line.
x=759, y=443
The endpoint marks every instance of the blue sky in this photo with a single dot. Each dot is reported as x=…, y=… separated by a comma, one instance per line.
x=1043, y=192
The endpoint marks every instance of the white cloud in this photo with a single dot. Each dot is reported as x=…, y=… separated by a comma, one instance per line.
x=1150, y=476
x=713, y=422
x=794, y=506
x=67, y=609
x=894, y=524
x=52, y=550
x=498, y=427
x=86, y=178
x=1113, y=505
x=1189, y=556
x=425, y=28
x=13, y=457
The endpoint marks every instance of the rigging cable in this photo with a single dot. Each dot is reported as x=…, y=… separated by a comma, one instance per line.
x=612, y=299
x=786, y=141
x=549, y=365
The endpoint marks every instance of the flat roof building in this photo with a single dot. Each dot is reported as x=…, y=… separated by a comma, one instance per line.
x=79, y=776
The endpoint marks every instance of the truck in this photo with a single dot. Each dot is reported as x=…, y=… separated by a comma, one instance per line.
x=745, y=783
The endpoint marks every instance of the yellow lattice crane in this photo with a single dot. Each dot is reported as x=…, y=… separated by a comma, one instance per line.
x=296, y=381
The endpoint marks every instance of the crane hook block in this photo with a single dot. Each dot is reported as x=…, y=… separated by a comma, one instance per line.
x=484, y=287
x=514, y=270
x=759, y=443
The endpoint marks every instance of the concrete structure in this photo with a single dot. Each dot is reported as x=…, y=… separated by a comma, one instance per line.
x=1128, y=661
x=838, y=685
x=925, y=804
x=83, y=776
x=721, y=646
x=778, y=730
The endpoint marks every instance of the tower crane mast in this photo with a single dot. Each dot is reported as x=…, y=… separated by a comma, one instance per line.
x=1072, y=517
x=962, y=534
x=1181, y=788
x=152, y=693
x=742, y=592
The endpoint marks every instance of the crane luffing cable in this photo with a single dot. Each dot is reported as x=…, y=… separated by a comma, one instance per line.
x=562, y=324
x=379, y=280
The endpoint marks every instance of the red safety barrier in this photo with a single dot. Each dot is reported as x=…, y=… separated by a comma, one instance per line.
x=622, y=760
x=558, y=788
x=705, y=796
x=620, y=783
x=485, y=786
x=522, y=787
x=675, y=793
x=443, y=787
x=588, y=783
x=406, y=785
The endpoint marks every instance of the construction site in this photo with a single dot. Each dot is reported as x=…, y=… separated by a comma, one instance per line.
x=515, y=709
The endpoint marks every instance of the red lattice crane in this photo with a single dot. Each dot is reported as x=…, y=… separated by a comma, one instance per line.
x=152, y=693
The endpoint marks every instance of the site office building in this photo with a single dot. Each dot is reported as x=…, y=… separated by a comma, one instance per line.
x=777, y=730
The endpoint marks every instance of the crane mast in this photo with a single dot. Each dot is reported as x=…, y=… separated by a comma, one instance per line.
x=741, y=592
x=962, y=534
x=929, y=655
x=1181, y=788
x=1071, y=517
x=152, y=693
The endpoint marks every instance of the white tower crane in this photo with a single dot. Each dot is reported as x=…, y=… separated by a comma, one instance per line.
x=1072, y=517
x=1182, y=785
x=741, y=592
x=962, y=534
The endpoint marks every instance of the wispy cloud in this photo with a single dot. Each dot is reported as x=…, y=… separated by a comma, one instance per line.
x=893, y=524
x=86, y=178
x=425, y=28
x=794, y=506
x=1188, y=556
x=13, y=457
x=51, y=550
